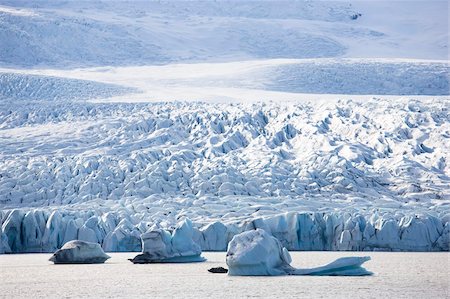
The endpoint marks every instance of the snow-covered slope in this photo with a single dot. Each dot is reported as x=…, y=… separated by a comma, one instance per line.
x=340, y=143
x=24, y=87
x=68, y=34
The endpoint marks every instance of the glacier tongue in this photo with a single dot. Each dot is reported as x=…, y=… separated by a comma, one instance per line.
x=334, y=157
x=333, y=175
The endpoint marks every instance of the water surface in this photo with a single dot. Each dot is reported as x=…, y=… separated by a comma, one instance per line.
x=397, y=275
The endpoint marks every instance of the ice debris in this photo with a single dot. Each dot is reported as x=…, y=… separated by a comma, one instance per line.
x=160, y=246
x=256, y=253
x=79, y=252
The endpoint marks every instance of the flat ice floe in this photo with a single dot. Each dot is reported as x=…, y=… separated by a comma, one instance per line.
x=257, y=253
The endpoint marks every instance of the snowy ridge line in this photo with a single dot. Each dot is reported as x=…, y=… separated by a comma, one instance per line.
x=43, y=230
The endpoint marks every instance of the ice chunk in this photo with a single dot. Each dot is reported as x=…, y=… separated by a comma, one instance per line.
x=79, y=252
x=256, y=252
x=159, y=246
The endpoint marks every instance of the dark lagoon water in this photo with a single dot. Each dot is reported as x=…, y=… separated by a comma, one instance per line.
x=397, y=275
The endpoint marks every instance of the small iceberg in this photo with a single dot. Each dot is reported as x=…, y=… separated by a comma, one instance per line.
x=257, y=253
x=79, y=252
x=160, y=246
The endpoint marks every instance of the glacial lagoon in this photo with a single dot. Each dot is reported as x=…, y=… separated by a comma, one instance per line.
x=397, y=275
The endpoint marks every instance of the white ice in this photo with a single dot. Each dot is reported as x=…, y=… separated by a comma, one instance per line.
x=79, y=252
x=257, y=253
x=328, y=131
x=160, y=246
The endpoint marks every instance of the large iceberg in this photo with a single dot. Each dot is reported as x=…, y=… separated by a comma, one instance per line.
x=79, y=252
x=160, y=246
x=256, y=252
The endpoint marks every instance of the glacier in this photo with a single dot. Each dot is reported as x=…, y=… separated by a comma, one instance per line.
x=327, y=132
x=79, y=252
x=257, y=253
x=334, y=175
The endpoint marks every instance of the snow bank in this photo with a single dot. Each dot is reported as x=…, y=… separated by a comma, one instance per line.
x=159, y=246
x=258, y=253
x=79, y=252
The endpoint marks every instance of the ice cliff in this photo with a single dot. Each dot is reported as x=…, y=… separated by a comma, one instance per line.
x=41, y=231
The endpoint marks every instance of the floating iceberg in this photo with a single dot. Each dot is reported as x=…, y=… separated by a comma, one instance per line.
x=159, y=246
x=79, y=252
x=256, y=252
